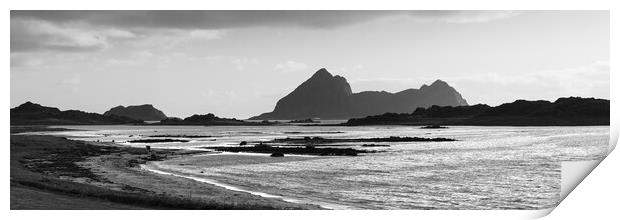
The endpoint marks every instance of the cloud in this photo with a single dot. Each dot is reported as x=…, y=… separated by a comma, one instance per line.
x=29, y=35
x=19, y=60
x=290, y=66
x=73, y=80
x=33, y=35
x=460, y=16
x=596, y=72
x=204, y=19
x=591, y=80
x=239, y=63
x=78, y=31
x=242, y=63
x=568, y=77
x=348, y=69
x=249, y=18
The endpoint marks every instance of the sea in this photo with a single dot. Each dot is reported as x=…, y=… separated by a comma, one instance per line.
x=486, y=168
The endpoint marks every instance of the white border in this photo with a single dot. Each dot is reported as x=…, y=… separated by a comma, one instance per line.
x=595, y=197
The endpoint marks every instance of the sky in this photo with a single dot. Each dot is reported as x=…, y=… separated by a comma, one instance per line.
x=240, y=63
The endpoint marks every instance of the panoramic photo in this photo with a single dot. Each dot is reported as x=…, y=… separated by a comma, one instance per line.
x=320, y=110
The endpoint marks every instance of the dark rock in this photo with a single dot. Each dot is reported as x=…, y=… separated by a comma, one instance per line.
x=320, y=140
x=329, y=97
x=208, y=119
x=34, y=114
x=277, y=154
x=156, y=141
x=307, y=120
x=262, y=145
x=375, y=145
x=181, y=136
x=171, y=120
x=264, y=148
x=138, y=112
x=572, y=111
x=433, y=127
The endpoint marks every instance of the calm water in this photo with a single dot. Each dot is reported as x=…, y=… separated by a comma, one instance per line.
x=488, y=168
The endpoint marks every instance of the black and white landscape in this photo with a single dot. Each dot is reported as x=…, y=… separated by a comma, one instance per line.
x=304, y=109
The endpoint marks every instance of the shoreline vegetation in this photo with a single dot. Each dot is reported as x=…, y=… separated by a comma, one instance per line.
x=49, y=172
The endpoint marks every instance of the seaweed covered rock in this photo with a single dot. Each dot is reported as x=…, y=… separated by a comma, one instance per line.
x=277, y=154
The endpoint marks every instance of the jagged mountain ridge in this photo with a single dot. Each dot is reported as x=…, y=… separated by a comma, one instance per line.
x=327, y=96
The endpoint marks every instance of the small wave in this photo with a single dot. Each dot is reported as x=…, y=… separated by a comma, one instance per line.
x=234, y=188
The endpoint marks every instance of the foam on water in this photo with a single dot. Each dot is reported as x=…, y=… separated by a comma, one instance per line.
x=154, y=169
x=488, y=168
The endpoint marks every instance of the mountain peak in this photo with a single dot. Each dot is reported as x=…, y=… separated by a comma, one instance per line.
x=325, y=81
x=32, y=107
x=329, y=96
x=322, y=73
x=28, y=104
x=439, y=82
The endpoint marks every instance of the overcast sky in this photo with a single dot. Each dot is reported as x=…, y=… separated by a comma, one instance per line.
x=239, y=63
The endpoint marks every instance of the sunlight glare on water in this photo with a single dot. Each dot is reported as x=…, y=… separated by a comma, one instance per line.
x=488, y=168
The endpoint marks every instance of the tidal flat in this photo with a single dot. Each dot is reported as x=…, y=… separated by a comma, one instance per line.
x=90, y=175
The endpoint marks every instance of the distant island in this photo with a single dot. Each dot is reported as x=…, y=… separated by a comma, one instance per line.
x=563, y=112
x=326, y=96
x=34, y=114
x=301, y=121
x=144, y=112
x=208, y=119
x=572, y=111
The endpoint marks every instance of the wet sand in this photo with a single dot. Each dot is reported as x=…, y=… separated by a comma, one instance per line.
x=110, y=175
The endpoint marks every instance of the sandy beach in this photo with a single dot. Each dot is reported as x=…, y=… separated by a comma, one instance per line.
x=90, y=175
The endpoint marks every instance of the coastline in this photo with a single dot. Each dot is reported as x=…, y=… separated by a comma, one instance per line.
x=190, y=167
x=108, y=175
x=200, y=179
x=321, y=205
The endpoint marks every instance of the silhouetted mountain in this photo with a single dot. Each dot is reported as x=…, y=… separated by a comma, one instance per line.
x=564, y=111
x=34, y=114
x=208, y=119
x=139, y=112
x=329, y=97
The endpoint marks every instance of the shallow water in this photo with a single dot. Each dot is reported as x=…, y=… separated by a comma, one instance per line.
x=488, y=168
